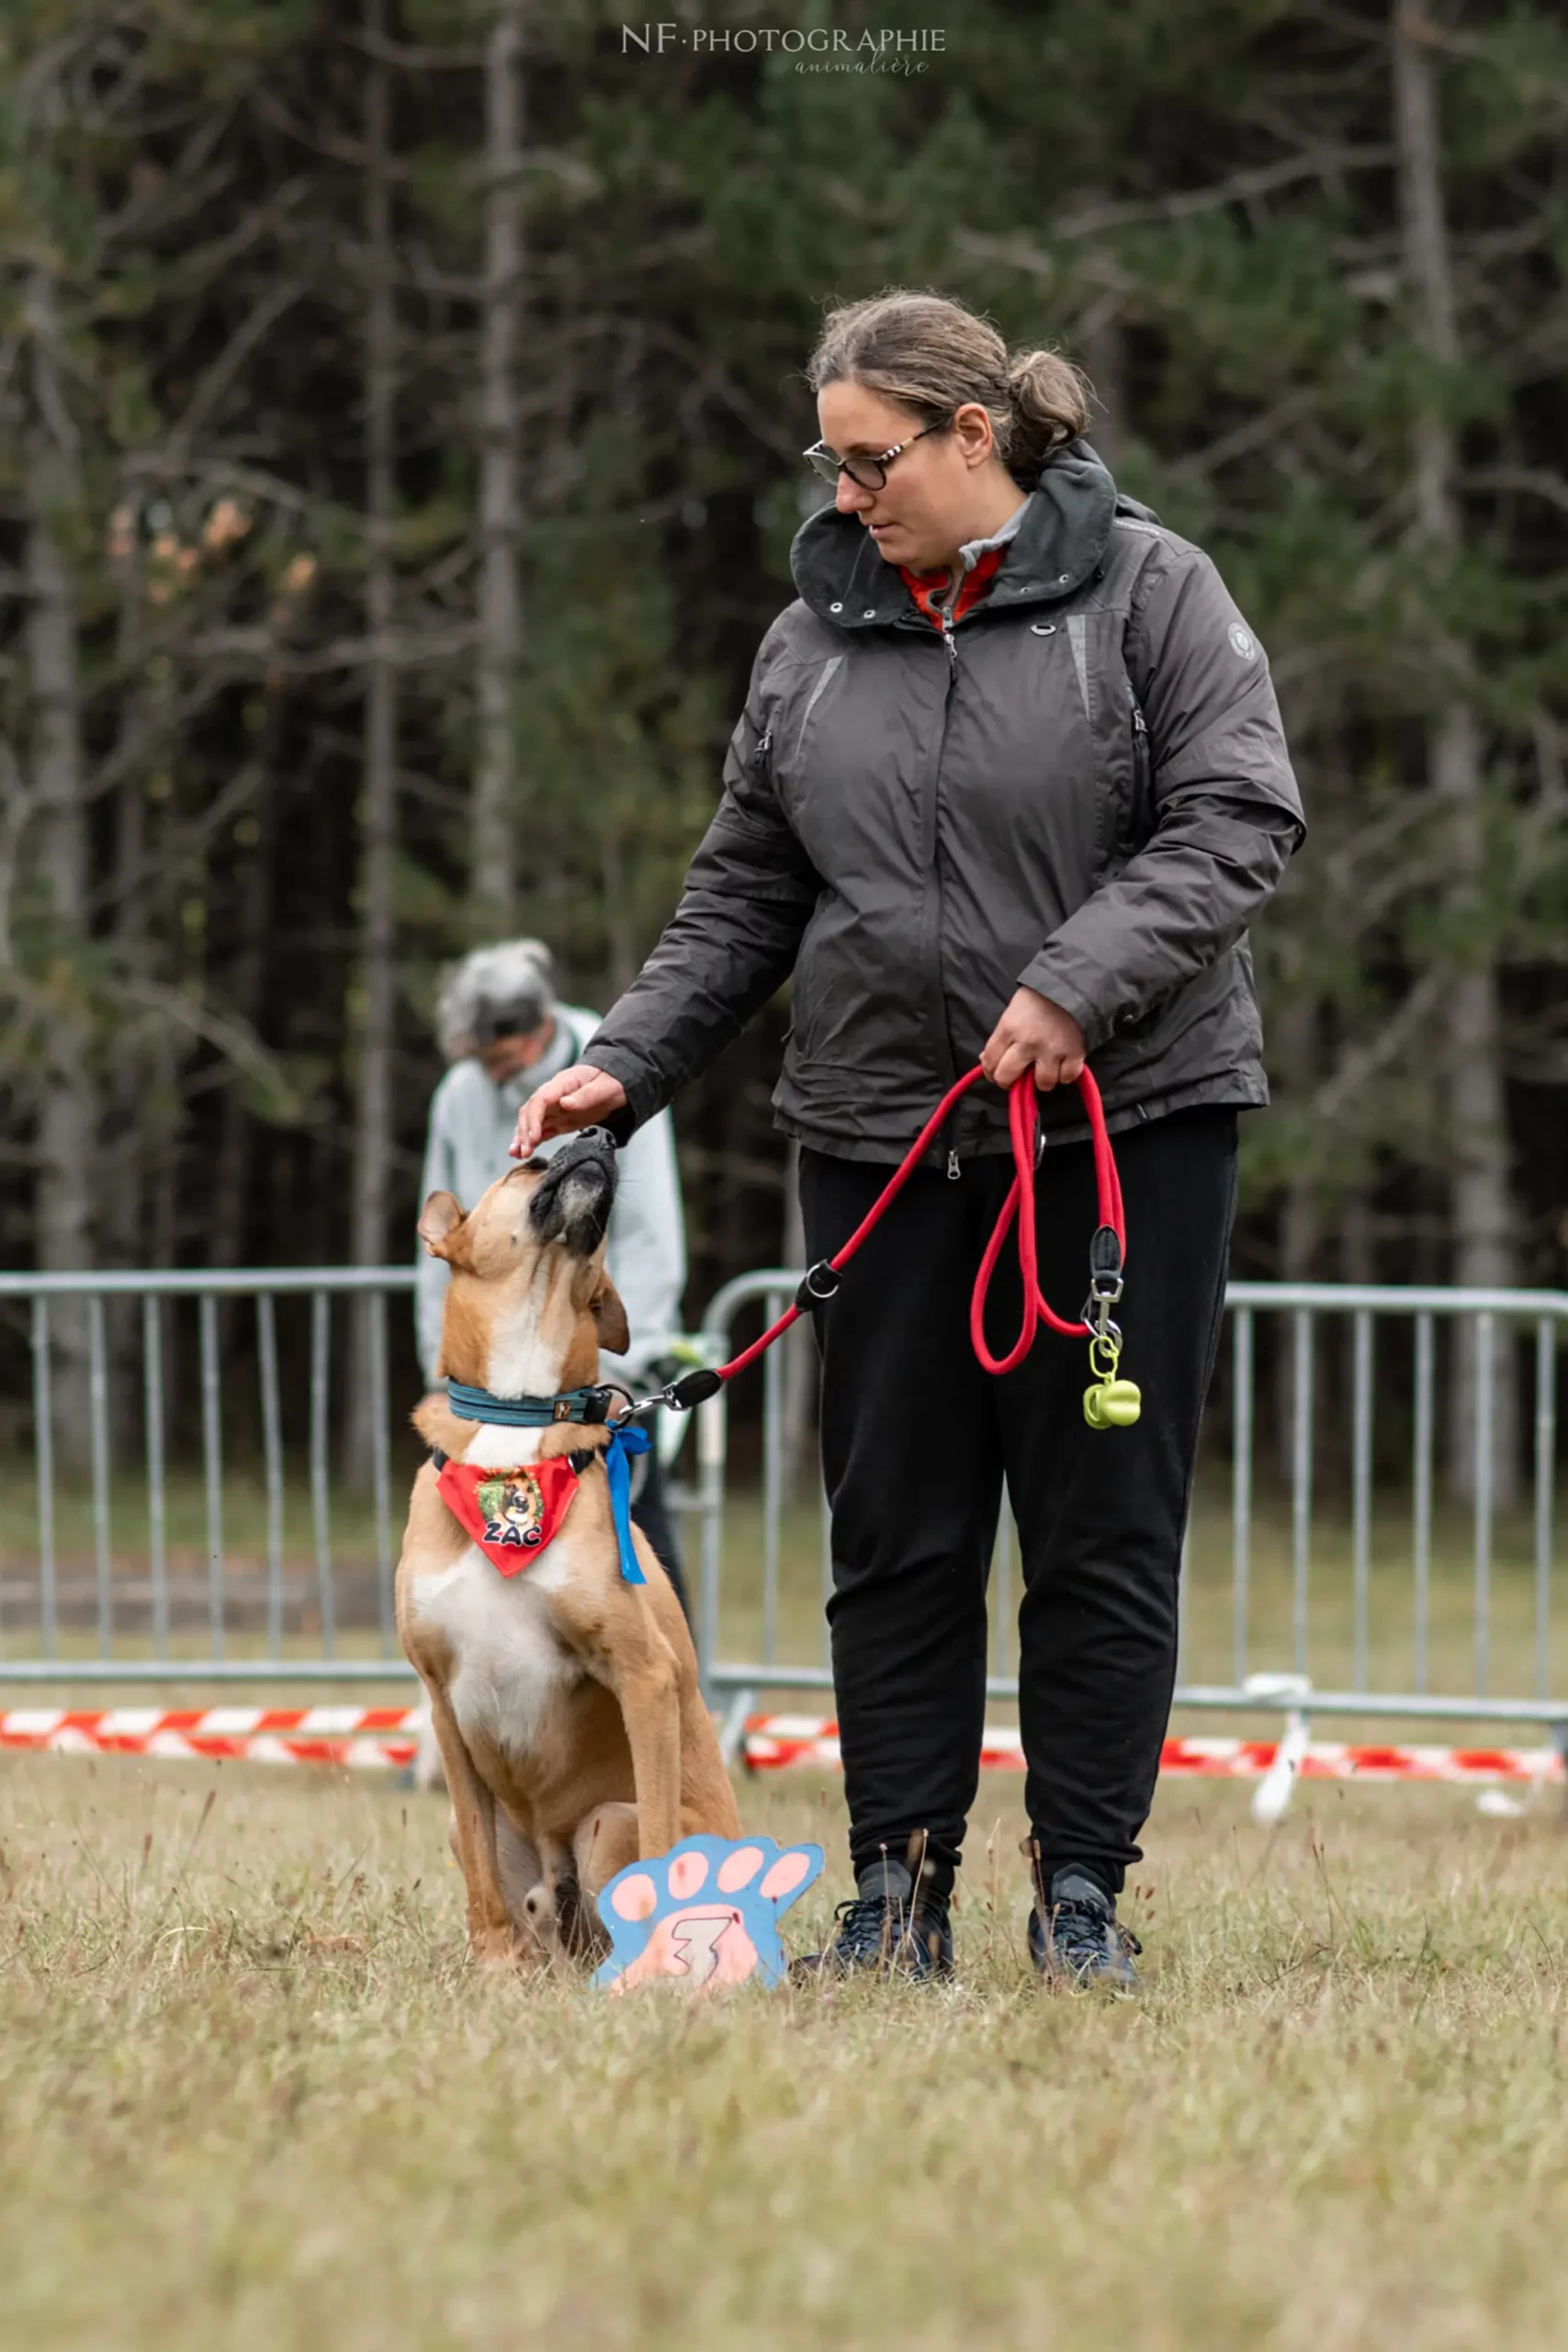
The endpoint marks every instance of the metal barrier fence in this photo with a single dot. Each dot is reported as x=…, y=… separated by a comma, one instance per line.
x=292, y=1607
x=125, y=1628
x=1479, y=1323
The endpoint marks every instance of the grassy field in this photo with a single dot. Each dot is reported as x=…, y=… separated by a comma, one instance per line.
x=251, y=2093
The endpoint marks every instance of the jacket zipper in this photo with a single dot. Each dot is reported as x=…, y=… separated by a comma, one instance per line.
x=1141, y=813
x=955, y=1168
x=931, y=943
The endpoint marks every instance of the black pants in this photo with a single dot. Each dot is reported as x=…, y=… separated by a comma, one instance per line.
x=917, y=1440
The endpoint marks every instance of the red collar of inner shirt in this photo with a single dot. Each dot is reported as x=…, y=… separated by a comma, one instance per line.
x=927, y=588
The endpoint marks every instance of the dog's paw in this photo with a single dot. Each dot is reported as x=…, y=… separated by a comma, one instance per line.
x=704, y=1913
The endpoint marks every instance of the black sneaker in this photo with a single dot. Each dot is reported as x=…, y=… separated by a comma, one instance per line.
x=1080, y=1941
x=884, y=1928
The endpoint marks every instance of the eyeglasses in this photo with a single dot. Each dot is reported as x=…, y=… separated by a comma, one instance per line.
x=866, y=473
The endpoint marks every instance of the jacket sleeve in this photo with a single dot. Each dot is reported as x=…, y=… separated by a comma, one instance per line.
x=431, y=1275
x=731, y=943
x=1227, y=812
x=647, y=1252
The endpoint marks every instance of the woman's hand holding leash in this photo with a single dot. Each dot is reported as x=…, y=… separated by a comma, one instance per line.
x=579, y=1097
x=1033, y=1033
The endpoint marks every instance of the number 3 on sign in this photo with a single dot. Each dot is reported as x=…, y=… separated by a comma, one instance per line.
x=704, y=1913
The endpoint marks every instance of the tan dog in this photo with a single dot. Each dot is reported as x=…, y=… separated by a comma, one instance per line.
x=564, y=1699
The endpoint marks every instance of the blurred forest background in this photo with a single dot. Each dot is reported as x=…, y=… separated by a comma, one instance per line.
x=401, y=411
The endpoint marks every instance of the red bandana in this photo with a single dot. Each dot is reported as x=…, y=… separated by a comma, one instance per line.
x=510, y=1514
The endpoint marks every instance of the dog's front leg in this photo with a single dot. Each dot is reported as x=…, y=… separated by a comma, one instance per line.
x=648, y=1686
x=490, y=1932
x=605, y=1841
x=630, y=1655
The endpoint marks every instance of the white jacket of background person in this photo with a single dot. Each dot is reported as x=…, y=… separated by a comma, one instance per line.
x=471, y=1123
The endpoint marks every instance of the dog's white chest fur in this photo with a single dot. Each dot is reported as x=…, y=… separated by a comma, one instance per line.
x=508, y=1661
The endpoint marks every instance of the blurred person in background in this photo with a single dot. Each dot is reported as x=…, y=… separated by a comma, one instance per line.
x=505, y=1032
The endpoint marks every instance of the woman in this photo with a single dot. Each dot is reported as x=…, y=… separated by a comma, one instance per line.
x=1009, y=785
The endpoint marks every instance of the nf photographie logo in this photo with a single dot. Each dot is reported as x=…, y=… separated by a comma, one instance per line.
x=815, y=49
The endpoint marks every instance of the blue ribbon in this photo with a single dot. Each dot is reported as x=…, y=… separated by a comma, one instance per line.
x=625, y=1439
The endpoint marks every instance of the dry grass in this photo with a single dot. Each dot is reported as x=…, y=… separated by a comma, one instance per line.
x=251, y=2093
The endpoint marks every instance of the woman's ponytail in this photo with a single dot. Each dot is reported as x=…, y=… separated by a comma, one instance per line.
x=1048, y=400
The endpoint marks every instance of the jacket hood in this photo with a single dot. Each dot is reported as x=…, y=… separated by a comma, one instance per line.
x=1063, y=532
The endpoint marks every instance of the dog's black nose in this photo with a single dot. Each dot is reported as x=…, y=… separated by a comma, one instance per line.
x=588, y=1144
x=572, y=1202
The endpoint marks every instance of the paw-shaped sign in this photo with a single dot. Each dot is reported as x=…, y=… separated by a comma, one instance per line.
x=704, y=1913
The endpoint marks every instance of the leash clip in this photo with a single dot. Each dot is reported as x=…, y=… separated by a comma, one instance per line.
x=1097, y=1309
x=649, y=1405
x=817, y=1284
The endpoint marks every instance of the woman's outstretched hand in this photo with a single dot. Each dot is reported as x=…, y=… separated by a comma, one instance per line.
x=577, y=1097
x=1033, y=1033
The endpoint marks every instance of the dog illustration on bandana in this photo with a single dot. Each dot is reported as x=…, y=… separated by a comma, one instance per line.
x=513, y=1510
x=512, y=1513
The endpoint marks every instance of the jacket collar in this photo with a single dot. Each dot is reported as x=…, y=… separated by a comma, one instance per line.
x=1064, y=529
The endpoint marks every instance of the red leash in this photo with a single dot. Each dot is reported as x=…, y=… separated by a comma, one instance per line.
x=1106, y=1256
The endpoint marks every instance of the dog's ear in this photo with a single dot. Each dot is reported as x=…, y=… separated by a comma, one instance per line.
x=438, y=1221
x=610, y=1319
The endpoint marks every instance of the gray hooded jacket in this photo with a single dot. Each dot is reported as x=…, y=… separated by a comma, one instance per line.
x=1081, y=786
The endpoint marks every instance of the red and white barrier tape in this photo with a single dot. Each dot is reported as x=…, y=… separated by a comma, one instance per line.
x=379, y=1738
x=362, y=1739
x=775, y=1741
